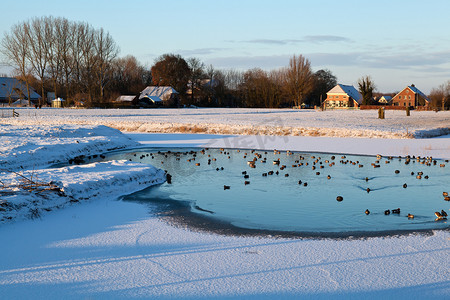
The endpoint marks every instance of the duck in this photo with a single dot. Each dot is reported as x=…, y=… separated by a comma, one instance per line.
x=444, y=213
x=368, y=190
x=445, y=194
x=438, y=215
x=169, y=178
x=396, y=211
x=410, y=216
x=246, y=182
x=339, y=198
x=387, y=212
x=367, y=212
x=226, y=187
x=405, y=185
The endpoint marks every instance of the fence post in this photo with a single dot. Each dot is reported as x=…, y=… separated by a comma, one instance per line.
x=407, y=111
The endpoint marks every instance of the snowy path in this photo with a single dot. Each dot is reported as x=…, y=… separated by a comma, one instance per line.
x=111, y=249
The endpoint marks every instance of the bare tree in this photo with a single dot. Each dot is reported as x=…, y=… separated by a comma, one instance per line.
x=440, y=96
x=88, y=58
x=59, y=50
x=107, y=51
x=233, y=79
x=366, y=88
x=197, y=73
x=40, y=38
x=298, y=79
x=15, y=47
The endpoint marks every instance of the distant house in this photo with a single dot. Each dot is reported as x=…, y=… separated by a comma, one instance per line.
x=166, y=95
x=12, y=89
x=385, y=100
x=410, y=96
x=58, y=102
x=343, y=96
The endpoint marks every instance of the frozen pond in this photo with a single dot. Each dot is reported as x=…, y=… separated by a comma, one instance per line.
x=293, y=192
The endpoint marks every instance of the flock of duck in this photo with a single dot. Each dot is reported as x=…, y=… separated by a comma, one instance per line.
x=317, y=164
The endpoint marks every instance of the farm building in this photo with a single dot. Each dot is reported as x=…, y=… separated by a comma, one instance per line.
x=343, y=96
x=410, y=96
x=166, y=95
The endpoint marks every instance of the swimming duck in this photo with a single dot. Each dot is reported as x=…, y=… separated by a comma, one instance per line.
x=405, y=185
x=396, y=211
x=410, y=216
x=226, y=187
x=387, y=212
x=444, y=213
x=367, y=212
x=339, y=198
x=445, y=194
x=169, y=178
x=438, y=215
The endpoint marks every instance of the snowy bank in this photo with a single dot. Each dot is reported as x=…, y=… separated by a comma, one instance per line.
x=29, y=188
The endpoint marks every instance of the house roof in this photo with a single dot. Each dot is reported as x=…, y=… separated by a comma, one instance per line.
x=155, y=98
x=346, y=89
x=14, y=88
x=20, y=102
x=162, y=92
x=417, y=91
x=125, y=98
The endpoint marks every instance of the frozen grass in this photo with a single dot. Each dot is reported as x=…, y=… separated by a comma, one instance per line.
x=283, y=122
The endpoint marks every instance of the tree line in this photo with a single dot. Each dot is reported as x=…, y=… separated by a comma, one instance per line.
x=81, y=63
x=68, y=58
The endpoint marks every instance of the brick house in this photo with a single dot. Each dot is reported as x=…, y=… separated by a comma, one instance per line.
x=343, y=96
x=410, y=96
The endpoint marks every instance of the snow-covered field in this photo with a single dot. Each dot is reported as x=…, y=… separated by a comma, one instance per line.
x=284, y=122
x=102, y=248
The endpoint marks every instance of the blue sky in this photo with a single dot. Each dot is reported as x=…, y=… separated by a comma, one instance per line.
x=397, y=42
